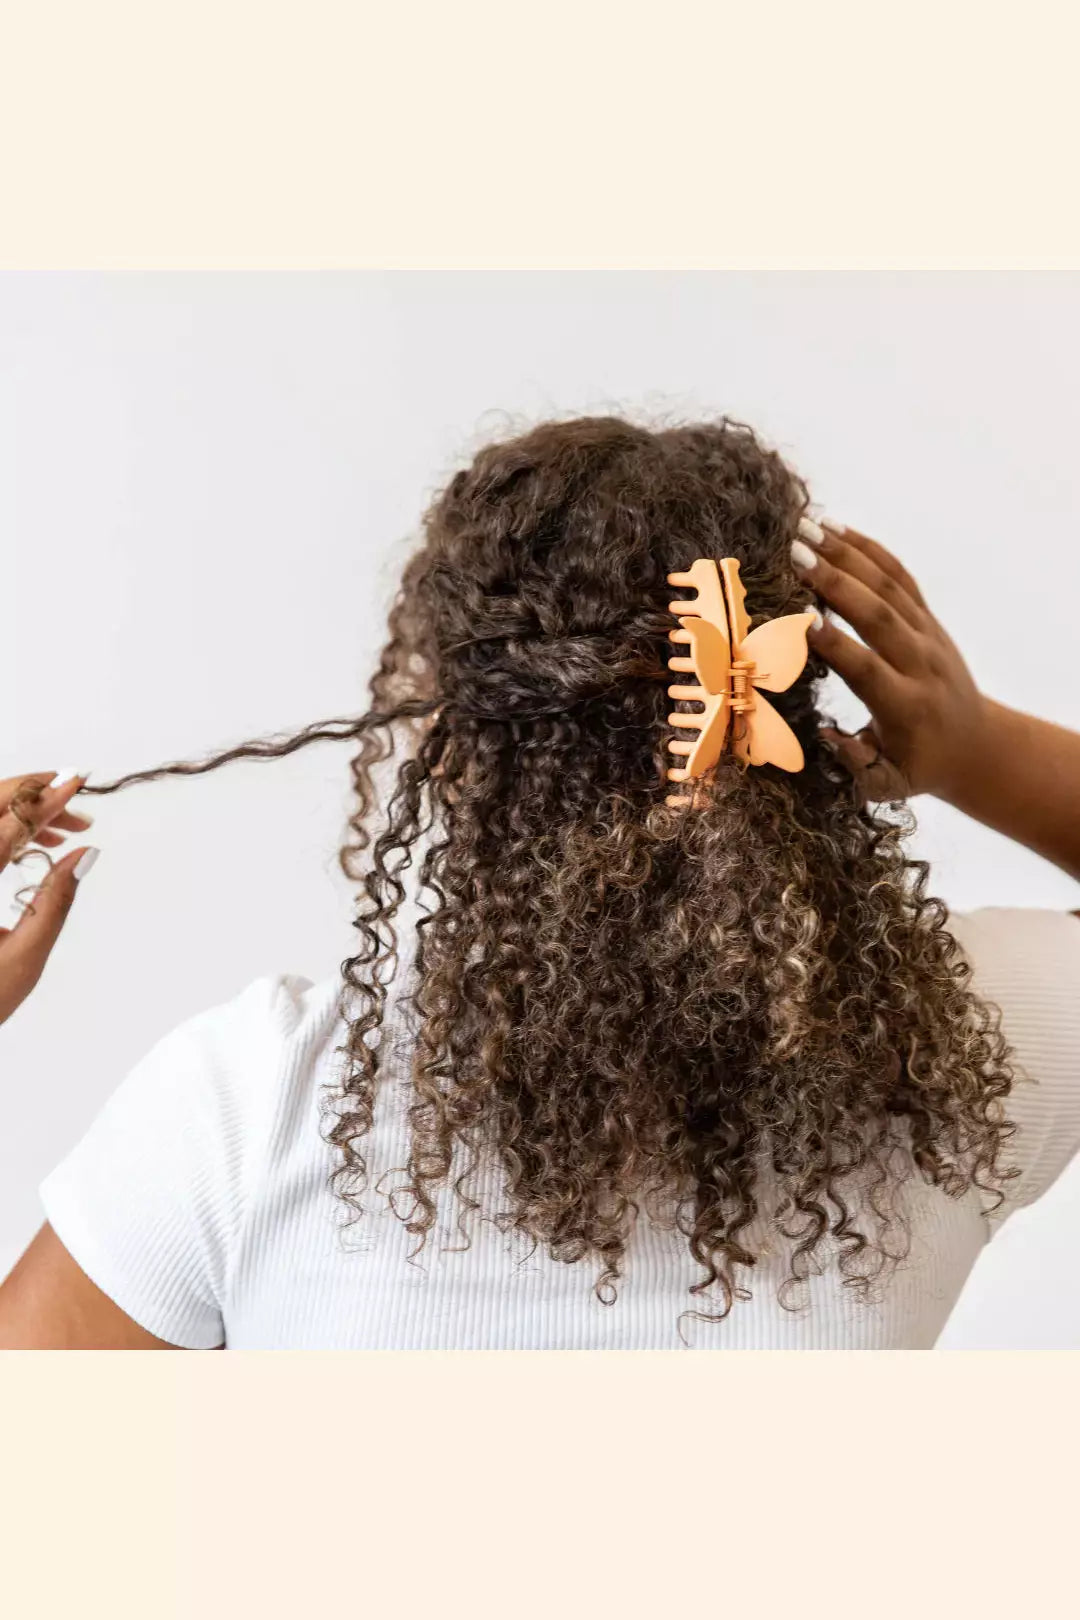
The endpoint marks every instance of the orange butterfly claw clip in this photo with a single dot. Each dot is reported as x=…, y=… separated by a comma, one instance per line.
x=734, y=667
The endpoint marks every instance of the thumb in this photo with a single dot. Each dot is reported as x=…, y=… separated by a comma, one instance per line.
x=25, y=950
x=877, y=778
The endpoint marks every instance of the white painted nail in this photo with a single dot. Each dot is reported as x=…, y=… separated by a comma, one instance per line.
x=84, y=863
x=811, y=531
x=802, y=556
x=82, y=821
x=817, y=622
x=62, y=778
x=834, y=527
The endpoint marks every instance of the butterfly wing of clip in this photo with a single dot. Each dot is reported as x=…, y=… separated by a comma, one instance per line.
x=777, y=649
x=710, y=660
x=768, y=739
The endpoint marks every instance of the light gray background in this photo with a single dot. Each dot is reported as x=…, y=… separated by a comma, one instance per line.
x=207, y=485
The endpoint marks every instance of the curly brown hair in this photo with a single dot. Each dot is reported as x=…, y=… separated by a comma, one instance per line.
x=703, y=1014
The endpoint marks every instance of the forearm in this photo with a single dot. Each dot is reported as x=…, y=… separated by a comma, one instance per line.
x=1021, y=776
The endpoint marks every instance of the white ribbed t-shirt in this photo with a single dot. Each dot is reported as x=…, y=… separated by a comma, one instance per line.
x=199, y=1201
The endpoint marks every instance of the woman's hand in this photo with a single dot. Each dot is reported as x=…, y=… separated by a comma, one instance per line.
x=931, y=730
x=926, y=712
x=48, y=1302
x=34, y=810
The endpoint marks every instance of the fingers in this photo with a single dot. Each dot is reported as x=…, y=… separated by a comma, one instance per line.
x=47, y=839
x=868, y=674
x=888, y=668
x=71, y=821
x=8, y=784
x=55, y=834
x=875, y=564
x=876, y=777
x=889, y=565
x=874, y=604
x=34, y=803
x=25, y=950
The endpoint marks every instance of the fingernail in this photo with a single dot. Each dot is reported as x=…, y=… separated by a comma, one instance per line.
x=811, y=531
x=84, y=863
x=834, y=527
x=817, y=622
x=802, y=556
x=81, y=821
x=65, y=776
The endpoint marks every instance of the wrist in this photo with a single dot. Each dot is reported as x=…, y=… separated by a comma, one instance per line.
x=1020, y=776
x=975, y=765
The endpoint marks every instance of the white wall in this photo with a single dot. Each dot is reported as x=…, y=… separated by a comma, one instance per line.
x=207, y=483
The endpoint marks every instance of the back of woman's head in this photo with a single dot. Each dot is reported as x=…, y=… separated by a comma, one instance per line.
x=744, y=1017
x=626, y=1004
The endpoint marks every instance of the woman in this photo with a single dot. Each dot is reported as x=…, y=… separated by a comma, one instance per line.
x=605, y=1073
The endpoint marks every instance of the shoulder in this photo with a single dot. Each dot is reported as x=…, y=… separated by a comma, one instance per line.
x=243, y=1073
x=240, y=1047
x=151, y=1201
x=212, y=1083
x=275, y=1010
x=195, y=1114
x=1026, y=963
x=1005, y=942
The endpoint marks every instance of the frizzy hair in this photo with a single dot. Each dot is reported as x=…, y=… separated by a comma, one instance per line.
x=629, y=1007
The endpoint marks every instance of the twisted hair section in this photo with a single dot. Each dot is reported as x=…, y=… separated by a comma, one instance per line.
x=749, y=1013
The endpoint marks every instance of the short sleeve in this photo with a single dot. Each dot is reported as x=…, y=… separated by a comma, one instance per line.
x=151, y=1201
x=1027, y=963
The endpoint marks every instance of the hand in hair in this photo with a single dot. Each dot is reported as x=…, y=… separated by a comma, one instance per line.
x=32, y=812
x=931, y=730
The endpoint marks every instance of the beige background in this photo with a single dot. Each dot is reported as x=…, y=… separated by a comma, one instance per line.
x=487, y=1485
x=778, y=132
x=318, y=134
